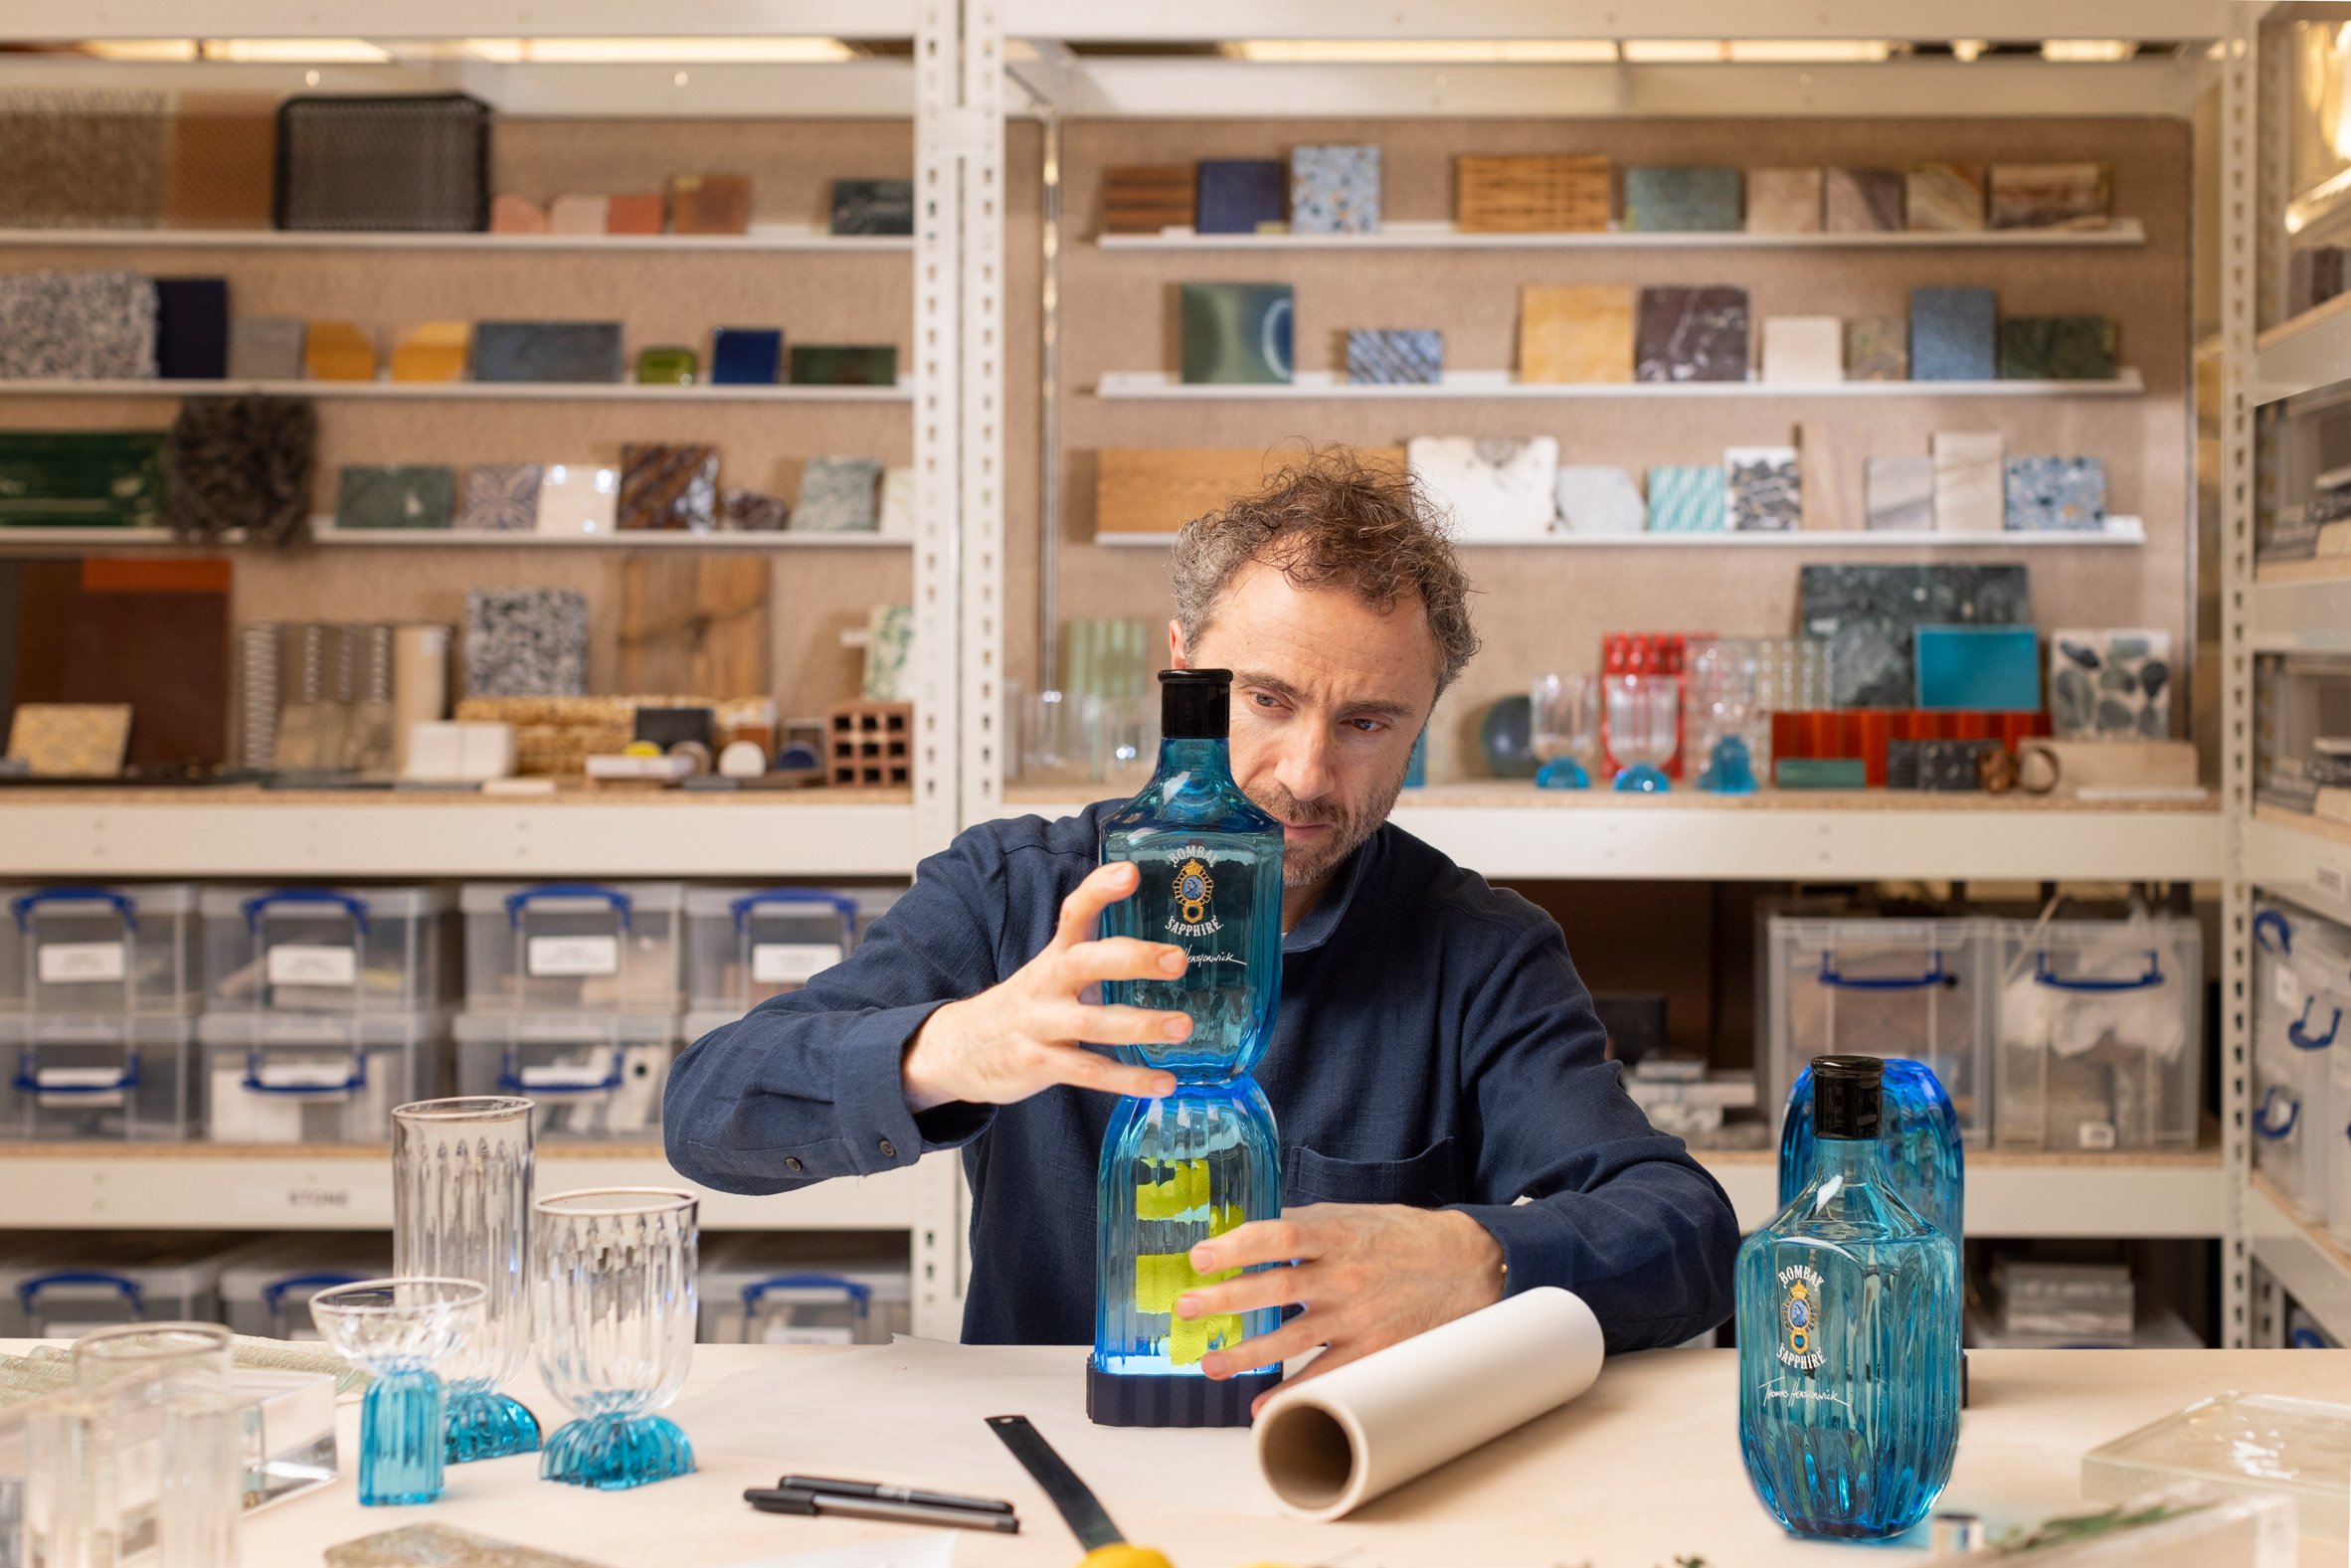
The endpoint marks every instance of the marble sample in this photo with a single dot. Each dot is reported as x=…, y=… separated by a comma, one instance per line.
x=1784, y=200
x=1862, y=201
x=1242, y=196
x=2110, y=684
x=577, y=214
x=1967, y=481
x=1946, y=198
x=400, y=495
x=1829, y=470
x=578, y=500
x=709, y=204
x=873, y=207
x=845, y=364
x=636, y=212
x=1765, y=486
x=526, y=642
x=1869, y=612
x=1901, y=494
x=2049, y=196
x=512, y=214
x=1686, y=199
x=191, y=328
x=501, y=499
x=1147, y=197
x=1235, y=333
x=2056, y=496
x=266, y=348
x=414, y=162
x=1691, y=334
x=76, y=326
x=1490, y=490
x=666, y=367
x=668, y=488
x=1952, y=334
x=837, y=496
x=1994, y=669
x=1804, y=351
x=1575, y=332
x=742, y=511
x=1878, y=348
x=897, y=508
x=2056, y=348
x=1596, y=499
x=1335, y=188
x=337, y=351
x=1396, y=356
x=746, y=356
x=889, y=654
x=432, y=351
x=1532, y=194
x=1687, y=498
x=547, y=351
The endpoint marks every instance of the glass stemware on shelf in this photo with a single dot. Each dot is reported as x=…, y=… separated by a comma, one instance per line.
x=1565, y=722
x=403, y=1330
x=460, y=1209
x=1644, y=723
x=1723, y=683
x=612, y=1281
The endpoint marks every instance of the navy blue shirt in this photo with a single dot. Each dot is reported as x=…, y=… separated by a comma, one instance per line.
x=1434, y=1048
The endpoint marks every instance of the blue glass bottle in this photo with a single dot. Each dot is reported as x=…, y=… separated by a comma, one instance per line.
x=401, y=1441
x=1847, y=1334
x=1178, y=1171
x=1920, y=1132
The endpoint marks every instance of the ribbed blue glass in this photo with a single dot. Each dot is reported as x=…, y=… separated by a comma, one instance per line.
x=1923, y=1154
x=1848, y=1354
x=1210, y=864
x=400, y=1439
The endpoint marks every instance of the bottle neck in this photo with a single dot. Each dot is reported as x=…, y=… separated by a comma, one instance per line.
x=1852, y=1159
x=1201, y=760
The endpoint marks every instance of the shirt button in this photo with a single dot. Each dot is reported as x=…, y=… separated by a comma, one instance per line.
x=791, y=1163
x=889, y=1149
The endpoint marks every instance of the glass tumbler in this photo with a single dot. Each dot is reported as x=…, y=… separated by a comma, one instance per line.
x=1723, y=699
x=1644, y=716
x=403, y=1330
x=612, y=1279
x=1567, y=724
x=461, y=1211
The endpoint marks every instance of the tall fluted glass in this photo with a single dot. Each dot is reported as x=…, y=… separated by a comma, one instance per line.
x=613, y=1283
x=460, y=1209
x=403, y=1330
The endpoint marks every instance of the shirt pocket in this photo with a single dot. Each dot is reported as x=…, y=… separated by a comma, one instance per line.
x=1426, y=1180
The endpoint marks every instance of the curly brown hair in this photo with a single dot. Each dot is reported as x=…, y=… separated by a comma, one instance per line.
x=1332, y=519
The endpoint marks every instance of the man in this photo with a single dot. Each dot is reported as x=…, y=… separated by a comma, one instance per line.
x=1436, y=1059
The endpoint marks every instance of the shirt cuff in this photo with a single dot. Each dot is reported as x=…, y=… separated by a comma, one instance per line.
x=877, y=1129
x=1534, y=1240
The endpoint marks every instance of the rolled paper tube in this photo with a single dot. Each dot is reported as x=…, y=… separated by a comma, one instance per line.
x=1333, y=1443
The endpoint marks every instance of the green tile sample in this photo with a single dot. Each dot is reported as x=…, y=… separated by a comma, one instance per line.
x=1236, y=333
x=395, y=496
x=81, y=478
x=844, y=365
x=2056, y=348
x=666, y=367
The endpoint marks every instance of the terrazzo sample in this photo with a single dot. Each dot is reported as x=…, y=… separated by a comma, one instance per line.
x=1901, y=495
x=501, y=499
x=1334, y=187
x=2055, y=495
x=1691, y=334
x=1944, y=198
x=668, y=488
x=1235, y=333
x=1967, y=481
x=76, y=326
x=2056, y=348
x=1784, y=201
x=1490, y=490
x=1764, y=488
x=1575, y=332
x=837, y=496
x=1687, y=498
x=1396, y=356
x=1242, y=196
x=1878, y=348
x=526, y=642
x=1596, y=499
x=1870, y=613
x=1803, y=351
x=396, y=495
x=1686, y=199
x=2110, y=684
x=2049, y=196
x=1952, y=334
x=1862, y=201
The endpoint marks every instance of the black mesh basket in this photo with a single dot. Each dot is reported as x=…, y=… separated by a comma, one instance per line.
x=416, y=163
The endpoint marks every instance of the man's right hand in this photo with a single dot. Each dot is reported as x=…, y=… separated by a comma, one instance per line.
x=1020, y=1036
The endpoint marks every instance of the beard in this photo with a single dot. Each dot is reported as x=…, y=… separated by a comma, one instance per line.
x=1350, y=825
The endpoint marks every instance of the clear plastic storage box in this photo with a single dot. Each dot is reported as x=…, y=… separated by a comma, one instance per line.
x=591, y=1075
x=364, y=951
x=61, y=1287
x=266, y=1287
x=745, y=945
x=2101, y=1033
x=294, y=1077
x=115, y=951
x=120, y=1078
x=2302, y=986
x=557, y=946
x=1881, y=987
x=806, y=1289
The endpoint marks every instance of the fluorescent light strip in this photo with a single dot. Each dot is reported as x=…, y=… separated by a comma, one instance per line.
x=2088, y=51
x=660, y=50
x=1431, y=51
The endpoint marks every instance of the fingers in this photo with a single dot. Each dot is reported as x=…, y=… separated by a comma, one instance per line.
x=1121, y=1025
x=1086, y=1070
x=1297, y=1235
x=1293, y=1338
x=1103, y=887
x=1249, y=1291
x=1121, y=958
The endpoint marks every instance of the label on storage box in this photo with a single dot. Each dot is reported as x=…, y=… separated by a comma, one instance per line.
x=82, y=963
x=293, y=963
x=785, y=1333
x=328, y=1077
x=80, y=1088
x=567, y=1074
x=2283, y=988
x=791, y=963
x=2098, y=1135
x=564, y=958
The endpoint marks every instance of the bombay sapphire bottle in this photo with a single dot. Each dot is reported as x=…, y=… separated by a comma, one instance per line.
x=1848, y=1334
x=1178, y=1171
x=1918, y=1135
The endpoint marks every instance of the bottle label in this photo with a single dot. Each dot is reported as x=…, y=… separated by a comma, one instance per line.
x=1799, y=1316
x=1192, y=914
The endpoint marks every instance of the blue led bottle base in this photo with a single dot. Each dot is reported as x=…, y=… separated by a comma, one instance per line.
x=1732, y=771
x=485, y=1424
x=1644, y=779
x=615, y=1453
x=1562, y=772
x=400, y=1439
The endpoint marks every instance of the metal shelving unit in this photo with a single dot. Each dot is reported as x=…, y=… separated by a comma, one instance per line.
x=2013, y=1194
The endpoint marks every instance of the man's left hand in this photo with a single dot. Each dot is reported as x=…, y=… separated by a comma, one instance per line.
x=1367, y=1274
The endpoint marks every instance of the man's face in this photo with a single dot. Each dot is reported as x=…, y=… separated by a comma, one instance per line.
x=1327, y=695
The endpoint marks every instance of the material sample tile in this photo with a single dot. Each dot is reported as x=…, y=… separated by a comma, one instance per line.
x=76, y=326
x=578, y=214
x=266, y=348
x=1764, y=488
x=1784, y=201
x=338, y=351
x=1878, y=348
x=222, y=168
x=1944, y=197
x=89, y=160
x=416, y=163
x=1691, y=334
x=1901, y=494
x=1994, y=669
x=91, y=479
x=434, y=351
x=1396, y=356
x=1691, y=199
x=873, y=207
x=668, y=488
x=1489, y=489
x=897, y=508
x=1862, y=201
x=709, y=204
x=666, y=367
x=2110, y=684
x=1600, y=500
x=191, y=328
x=1235, y=333
x=1952, y=334
x=501, y=499
x=1242, y=195
x=70, y=740
x=526, y=642
x=743, y=511
x=2056, y=348
x=1687, y=498
x=404, y=495
x=1870, y=613
x=1967, y=481
x=1803, y=350
x=512, y=214
x=1543, y=194
x=1334, y=189
x=547, y=351
x=845, y=364
x=1575, y=332
x=837, y=496
x=1829, y=464
x=2049, y=196
x=1157, y=490
x=1146, y=198
x=746, y=356
x=636, y=212
x=2056, y=496
x=579, y=499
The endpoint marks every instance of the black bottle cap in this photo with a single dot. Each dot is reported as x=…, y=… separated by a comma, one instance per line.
x=1196, y=705
x=1848, y=1094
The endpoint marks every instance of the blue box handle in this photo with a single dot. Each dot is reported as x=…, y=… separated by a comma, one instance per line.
x=510, y=1080
x=28, y=1077
x=22, y=907
x=2307, y=1340
x=862, y=1295
x=516, y=902
x=255, y=908
x=2043, y=974
x=253, y=1084
x=2298, y=1035
x=275, y=1292
x=2264, y=1126
x=28, y=1291
x=1934, y=975
x=2270, y=920
x=843, y=905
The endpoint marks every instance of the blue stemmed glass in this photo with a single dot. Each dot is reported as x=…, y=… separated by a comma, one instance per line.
x=400, y=1331
x=613, y=1284
x=1565, y=714
x=1644, y=728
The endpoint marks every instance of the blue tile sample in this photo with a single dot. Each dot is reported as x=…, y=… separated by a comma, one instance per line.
x=547, y=351
x=1334, y=189
x=1867, y=613
x=746, y=356
x=2055, y=495
x=1236, y=333
x=1995, y=668
x=1682, y=200
x=1402, y=356
x=191, y=328
x=1687, y=499
x=1241, y=194
x=1954, y=334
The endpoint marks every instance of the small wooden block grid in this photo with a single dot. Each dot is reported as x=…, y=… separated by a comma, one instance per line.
x=869, y=745
x=1564, y=194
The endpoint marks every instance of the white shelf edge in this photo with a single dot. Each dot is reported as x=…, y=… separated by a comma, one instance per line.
x=2120, y=1197
x=2309, y=1270
x=1118, y=386
x=1443, y=235
x=2309, y=351
x=542, y=390
x=2304, y=864
x=758, y=242
x=2122, y=531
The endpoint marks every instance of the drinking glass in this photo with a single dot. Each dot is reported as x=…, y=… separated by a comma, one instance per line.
x=613, y=1282
x=461, y=1211
x=1723, y=694
x=1567, y=723
x=1644, y=717
x=401, y=1331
